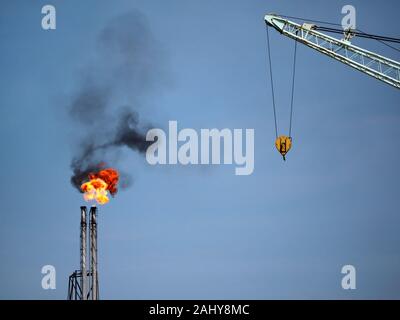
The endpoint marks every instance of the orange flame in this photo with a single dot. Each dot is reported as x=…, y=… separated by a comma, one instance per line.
x=100, y=184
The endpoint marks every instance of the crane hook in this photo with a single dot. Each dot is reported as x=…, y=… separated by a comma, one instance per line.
x=283, y=145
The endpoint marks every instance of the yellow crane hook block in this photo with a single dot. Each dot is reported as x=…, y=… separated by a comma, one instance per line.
x=283, y=144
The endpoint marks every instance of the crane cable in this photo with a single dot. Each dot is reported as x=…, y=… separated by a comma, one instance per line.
x=310, y=20
x=291, y=102
x=359, y=32
x=272, y=86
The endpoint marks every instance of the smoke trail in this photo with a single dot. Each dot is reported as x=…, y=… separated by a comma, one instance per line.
x=128, y=67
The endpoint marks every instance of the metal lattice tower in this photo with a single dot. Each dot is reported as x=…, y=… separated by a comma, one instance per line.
x=84, y=283
x=373, y=64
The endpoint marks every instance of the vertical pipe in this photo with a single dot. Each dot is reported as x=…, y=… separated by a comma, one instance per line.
x=93, y=251
x=83, y=252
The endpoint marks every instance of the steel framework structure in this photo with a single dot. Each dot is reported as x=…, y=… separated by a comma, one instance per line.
x=375, y=65
x=83, y=284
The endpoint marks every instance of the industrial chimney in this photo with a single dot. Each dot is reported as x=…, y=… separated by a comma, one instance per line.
x=84, y=283
x=93, y=252
x=83, y=253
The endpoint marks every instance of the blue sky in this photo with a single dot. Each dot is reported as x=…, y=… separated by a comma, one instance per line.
x=201, y=232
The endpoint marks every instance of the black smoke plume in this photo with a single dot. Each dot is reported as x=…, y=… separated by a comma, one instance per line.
x=126, y=68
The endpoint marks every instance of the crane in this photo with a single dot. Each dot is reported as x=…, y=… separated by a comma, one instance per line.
x=373, y=64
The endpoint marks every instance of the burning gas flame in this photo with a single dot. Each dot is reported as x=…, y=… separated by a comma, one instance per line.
x=100, y=184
